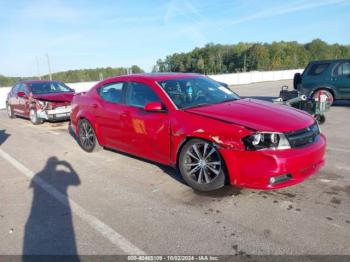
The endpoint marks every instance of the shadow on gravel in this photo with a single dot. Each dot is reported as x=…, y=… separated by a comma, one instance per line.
x=49, y=229
x=340, y=103
x=220, y=193
x=3, y=136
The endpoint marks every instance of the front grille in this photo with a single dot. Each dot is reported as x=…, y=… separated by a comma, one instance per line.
x=303, y=137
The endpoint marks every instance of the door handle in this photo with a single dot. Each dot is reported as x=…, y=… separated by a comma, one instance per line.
x=94, y=105
x=124, y=115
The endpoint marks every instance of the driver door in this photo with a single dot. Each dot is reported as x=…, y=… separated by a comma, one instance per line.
x=147, y=133
x=23, y=102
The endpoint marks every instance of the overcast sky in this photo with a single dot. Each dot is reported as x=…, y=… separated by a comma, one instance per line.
x=90, y=34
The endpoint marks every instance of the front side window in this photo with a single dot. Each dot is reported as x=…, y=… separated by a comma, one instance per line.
x=342, y=69
x=197, y=91
x=23, y=88
x=112, y=93
x=15, y=89
x=317, y=69
x=49, y=87
x=139, y=95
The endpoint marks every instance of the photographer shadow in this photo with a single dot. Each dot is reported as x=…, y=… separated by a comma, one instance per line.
x=49, y=229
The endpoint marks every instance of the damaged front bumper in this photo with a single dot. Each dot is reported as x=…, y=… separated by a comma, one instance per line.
x=56, y=114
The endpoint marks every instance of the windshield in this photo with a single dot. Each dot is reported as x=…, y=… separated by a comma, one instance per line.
x=49, y=88
x=197, y=91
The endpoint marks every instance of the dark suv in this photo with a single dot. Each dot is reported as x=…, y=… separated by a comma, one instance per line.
x=330, y=76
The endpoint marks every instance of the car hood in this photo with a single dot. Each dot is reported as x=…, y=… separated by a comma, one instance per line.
x=256, y=114
x=56, y=97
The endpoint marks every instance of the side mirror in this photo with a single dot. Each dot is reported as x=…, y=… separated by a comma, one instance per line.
x=21, y=94
x=154, y=107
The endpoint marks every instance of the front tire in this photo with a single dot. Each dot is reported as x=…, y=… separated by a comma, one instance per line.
x=202, y=166
x=10, y=111
x=33, y=116
x=87, y=137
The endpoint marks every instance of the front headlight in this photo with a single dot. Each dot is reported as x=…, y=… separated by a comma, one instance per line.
x=44, y=105
x=265, y=140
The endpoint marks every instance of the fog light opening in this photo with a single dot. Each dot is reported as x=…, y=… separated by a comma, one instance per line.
x=279, y=179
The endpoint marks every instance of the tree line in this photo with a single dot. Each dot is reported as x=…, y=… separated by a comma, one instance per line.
x=216, y=59
x=242, y=57
x=81, y=75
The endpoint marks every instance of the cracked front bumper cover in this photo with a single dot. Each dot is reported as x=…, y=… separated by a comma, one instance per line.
x=59, y=113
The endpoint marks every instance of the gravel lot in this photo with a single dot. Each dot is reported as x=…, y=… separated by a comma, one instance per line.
x=111, y=203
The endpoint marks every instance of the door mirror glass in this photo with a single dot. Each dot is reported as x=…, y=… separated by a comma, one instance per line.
x=21, y=94
x=154, y=107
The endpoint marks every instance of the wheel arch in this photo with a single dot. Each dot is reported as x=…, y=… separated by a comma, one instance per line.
x=186, y=139
x=92, y=122
x=328, y=88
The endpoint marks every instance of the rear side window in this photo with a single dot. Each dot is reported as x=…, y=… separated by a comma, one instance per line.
x=139, y=95
x=318, y=69
x=342, y=69
x=112, y=93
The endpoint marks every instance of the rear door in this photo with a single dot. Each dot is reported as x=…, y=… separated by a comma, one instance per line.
x=341, y=79
x=107, y=110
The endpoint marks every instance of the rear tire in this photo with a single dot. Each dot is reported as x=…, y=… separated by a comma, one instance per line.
x=330, y=97
x=10, y=111
x=87, y=137
x=202, y=166
x=33, y=116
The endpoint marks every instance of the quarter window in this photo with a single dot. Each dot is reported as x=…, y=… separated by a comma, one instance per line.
x=112, y=93
x=342, y=69
x=139, y=95
x=317, y=69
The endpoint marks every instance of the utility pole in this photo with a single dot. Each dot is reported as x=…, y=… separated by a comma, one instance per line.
x=245, y=62
x=37, y=67
x=49, y=66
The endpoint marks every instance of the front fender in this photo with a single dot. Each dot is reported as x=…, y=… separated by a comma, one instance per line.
x=223, y=135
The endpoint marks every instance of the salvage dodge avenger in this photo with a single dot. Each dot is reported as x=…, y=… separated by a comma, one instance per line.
x=40, y=100
x=193, y=123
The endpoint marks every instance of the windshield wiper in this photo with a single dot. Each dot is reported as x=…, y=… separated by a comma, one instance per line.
x=207, y=104
x=198, y=105
x=228, y=100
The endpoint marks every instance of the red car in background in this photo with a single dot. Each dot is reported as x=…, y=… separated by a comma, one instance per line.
x=195, y=124
x=40, y=101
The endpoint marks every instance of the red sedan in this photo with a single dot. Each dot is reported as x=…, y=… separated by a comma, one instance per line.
x=40, y=101
x=193, y=123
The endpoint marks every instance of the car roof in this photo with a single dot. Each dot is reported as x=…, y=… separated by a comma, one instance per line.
x=329, y=61
x=37, y=81
x=157, y=76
